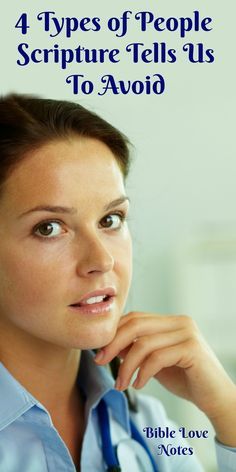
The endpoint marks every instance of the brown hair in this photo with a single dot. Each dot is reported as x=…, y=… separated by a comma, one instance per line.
x=28, y=122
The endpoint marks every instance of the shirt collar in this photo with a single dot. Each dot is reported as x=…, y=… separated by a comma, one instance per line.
x=94, y=381
x=14, y=398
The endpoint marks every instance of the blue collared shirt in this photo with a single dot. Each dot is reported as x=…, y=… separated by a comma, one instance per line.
x=29, y=441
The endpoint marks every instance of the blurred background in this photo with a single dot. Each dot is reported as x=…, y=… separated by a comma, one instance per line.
x=182, y=182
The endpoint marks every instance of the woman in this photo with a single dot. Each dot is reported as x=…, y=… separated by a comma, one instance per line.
x=65, y=268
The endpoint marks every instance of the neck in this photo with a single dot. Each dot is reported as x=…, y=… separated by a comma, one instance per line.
x=47, y=371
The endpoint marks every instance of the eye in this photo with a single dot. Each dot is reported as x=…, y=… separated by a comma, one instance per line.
x=113, y=221
x=48, y=229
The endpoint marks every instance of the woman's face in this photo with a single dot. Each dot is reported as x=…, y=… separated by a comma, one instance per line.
x=63, y=237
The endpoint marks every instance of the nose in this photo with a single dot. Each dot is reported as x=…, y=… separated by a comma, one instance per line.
x=94, y=258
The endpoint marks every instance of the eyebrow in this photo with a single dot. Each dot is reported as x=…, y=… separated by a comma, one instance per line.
x=72, y=210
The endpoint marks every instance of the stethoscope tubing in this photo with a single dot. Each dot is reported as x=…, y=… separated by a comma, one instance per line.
x=108, y=451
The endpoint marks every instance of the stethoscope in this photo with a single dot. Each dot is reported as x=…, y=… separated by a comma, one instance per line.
x=114, y=456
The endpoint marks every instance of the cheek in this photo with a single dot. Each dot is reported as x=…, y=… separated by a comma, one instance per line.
x=26, y=280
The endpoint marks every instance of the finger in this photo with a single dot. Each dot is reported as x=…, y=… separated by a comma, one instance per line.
x=125, y=336
x=142, y=349
x=124, y=352
x=161, y=359
x=135, y=314
x=168, y=320
x=132, y=329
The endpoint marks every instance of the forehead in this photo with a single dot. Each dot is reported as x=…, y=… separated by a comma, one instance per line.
x=73, y=169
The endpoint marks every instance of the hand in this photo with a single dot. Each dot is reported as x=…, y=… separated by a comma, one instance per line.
x=171, y=349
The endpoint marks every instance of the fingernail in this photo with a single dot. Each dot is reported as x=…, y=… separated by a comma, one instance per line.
x=99, y=356
x=118, y=383
x=135, y=383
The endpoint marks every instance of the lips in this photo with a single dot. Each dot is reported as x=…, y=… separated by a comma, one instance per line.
x=97, y=300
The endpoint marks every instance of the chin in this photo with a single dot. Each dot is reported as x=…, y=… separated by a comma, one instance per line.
x=102, y=340
x=100, y=337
